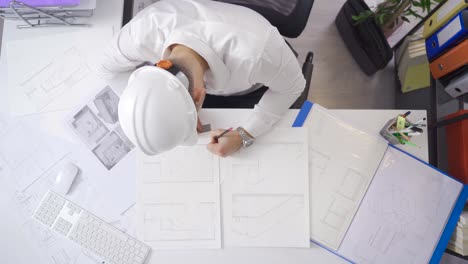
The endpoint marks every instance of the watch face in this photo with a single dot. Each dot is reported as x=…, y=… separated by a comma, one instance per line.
x=248, y=142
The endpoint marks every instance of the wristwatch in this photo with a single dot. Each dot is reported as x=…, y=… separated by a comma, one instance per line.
x=246, y=139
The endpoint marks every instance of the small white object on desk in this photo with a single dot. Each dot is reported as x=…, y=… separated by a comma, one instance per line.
x=65, y=178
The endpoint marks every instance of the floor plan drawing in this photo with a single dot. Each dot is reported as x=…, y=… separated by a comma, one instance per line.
x=248, y=173
x=88, y=126
x=340, y=174
x=174, y=167
x=336, y=215
x=97, y=125
x=50, y=81
x=395, y=222
x=266, y=205
x=178, y=199
x=180, y=222
x=318, y=162
x=57, y=76
x=271, y=210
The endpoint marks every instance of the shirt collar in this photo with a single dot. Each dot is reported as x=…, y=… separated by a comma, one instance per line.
x=217, y=75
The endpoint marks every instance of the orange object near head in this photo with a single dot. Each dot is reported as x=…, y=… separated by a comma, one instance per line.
x=457, y=147
x=165, y=64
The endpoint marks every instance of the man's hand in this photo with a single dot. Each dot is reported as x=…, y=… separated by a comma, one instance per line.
x=225, y=145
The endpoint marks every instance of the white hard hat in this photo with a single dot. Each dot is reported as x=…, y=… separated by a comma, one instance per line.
x=156, y=111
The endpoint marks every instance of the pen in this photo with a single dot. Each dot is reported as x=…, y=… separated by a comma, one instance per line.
x=415, y=125
x=416, y=129
x=222, y=134
x=406, y=114
x=420, y=121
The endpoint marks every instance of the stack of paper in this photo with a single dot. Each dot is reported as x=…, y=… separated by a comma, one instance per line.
x=413, y=66
x=459, y=241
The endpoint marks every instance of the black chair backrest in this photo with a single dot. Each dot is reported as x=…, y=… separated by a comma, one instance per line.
x=289, y=16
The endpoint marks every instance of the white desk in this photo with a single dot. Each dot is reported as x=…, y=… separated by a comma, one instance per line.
x=370, y=120
x=15, y=246
x=19, y=250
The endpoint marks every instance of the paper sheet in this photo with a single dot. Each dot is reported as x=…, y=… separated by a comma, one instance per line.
x=43, y=77
x=97, y=124
x=403, y=214
x=31, y=155
x=178, y=200
x=29, y=163
x=27, y=156
x=265, y=192
x=342, y=162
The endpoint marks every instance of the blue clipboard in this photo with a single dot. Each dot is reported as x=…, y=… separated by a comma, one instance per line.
x=449, y=35
x=452, y=220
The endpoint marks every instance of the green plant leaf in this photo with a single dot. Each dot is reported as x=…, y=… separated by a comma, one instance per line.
x=381, y=19
x=428, y=5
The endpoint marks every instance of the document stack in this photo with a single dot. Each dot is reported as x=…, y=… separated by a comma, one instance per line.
x=459, y=241
x=413, y=66
x=46, y=13
x=446, y=34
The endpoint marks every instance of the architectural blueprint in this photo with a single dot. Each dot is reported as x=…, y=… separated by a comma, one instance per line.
x=59, y=74
x=400, y=220
x=97, y=124
x=178, y=200
x=342, y=162
x=265, y=192
x=179, y=203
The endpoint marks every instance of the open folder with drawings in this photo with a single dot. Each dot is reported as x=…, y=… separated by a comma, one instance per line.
x=371, y=202
x=261, y=193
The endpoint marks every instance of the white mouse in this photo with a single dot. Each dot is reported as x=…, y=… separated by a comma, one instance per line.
x=65, y=178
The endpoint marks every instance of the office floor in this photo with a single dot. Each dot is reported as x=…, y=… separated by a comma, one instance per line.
x=337, y=81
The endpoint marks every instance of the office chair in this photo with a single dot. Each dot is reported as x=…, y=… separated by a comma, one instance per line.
x=290, y=17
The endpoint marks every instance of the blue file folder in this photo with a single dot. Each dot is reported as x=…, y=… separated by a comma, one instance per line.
x=452, y=218
x=449, y=35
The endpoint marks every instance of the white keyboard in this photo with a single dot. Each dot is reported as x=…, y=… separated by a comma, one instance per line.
x=92, y=233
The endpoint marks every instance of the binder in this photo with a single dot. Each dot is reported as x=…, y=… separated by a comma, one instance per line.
x=413, y=66
x=448, y=10
x=458, y=86
x=416, y=77
x=451, y=33
x=450, y=61
x=370, y=240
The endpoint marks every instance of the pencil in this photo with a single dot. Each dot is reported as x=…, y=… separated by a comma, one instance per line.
x=222, y=134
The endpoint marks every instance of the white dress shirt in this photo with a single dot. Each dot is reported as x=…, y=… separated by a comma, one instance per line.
x=240, y=46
